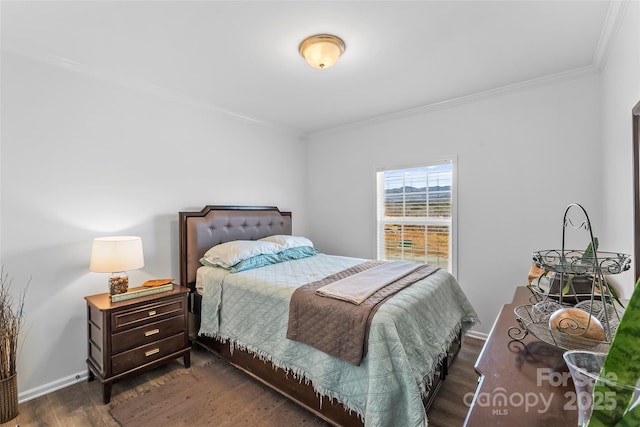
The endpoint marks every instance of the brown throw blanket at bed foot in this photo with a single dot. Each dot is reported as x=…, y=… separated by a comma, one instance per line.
x=336, y=327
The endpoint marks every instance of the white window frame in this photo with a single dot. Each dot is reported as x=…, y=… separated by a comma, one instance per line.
x=453, y=222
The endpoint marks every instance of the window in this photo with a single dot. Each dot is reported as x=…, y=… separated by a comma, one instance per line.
x=415, y=214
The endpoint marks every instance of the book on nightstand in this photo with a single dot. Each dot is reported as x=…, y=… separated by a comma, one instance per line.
x=141, y=292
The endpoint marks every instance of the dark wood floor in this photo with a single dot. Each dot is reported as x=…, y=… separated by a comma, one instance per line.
x=81, y=404
x=450, y=407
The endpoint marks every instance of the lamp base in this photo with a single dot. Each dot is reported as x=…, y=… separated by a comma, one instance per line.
x=118, y=283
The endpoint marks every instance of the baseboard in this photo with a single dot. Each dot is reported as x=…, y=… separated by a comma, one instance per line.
x=51, y=387
x=82, y=376
x=479, y=335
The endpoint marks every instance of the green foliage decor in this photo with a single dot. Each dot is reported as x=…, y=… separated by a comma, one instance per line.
x=623, y=359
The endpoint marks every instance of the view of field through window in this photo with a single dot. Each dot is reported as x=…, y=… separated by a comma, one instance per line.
x=415, y=220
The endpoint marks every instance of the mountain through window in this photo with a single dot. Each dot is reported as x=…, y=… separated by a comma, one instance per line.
x=415, y=214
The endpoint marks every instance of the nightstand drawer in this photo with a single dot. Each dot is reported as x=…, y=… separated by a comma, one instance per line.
x=142, y=315
x=147, y=333
x=146, y=354
x=128, y=337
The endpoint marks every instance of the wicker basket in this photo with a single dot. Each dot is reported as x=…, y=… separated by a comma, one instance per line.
x=8, y=398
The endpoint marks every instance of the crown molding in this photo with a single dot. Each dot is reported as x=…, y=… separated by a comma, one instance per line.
x=139, y=85
x=449, y=103
x=612, y=23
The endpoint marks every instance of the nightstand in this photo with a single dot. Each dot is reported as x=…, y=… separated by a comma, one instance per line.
x=131, y=336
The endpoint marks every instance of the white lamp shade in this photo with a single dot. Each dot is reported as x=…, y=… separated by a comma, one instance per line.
x=115, y=254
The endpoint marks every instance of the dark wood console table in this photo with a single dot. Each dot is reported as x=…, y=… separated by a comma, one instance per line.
x=522, y=383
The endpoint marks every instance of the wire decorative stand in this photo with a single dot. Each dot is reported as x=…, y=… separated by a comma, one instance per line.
x=577, y=281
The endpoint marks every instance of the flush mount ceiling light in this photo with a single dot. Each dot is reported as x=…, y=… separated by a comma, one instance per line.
x=322, y=50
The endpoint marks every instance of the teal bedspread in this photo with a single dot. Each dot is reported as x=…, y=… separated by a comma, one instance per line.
x=408, y=338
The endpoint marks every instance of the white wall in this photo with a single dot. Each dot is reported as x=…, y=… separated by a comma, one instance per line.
x=620, y=89
x=523, y=157
x=83, y=157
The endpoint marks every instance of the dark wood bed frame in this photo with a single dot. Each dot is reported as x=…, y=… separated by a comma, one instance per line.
x=200, y=230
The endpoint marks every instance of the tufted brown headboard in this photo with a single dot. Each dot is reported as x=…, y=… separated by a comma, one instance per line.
x=198, y=231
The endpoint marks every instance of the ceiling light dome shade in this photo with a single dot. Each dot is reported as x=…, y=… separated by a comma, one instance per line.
x=322, y=50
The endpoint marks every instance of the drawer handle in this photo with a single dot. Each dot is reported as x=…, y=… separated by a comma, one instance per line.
x=152, y=313
x=152, y=352
x=151, y=332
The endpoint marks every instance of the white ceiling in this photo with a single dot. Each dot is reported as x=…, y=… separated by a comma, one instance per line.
x=242, y=57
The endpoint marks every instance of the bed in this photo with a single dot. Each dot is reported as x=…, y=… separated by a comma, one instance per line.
x=240, y=317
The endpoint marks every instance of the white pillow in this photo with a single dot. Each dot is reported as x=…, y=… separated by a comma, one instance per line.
x=286, y=241
x=228, y=254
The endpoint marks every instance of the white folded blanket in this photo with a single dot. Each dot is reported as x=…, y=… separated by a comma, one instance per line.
x=358, y=287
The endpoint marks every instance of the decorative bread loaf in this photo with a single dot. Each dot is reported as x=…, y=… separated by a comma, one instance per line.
x=575, y=321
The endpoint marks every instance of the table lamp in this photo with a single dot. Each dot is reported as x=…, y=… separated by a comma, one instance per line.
x=116, y=255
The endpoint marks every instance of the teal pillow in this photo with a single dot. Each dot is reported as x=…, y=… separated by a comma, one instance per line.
x=267, y=259
x=255, y=262
x=298, y=252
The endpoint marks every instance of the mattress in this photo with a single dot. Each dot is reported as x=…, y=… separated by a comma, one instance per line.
x=408, y=336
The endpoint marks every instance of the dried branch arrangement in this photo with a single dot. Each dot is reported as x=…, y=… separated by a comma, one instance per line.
x=11, y=317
